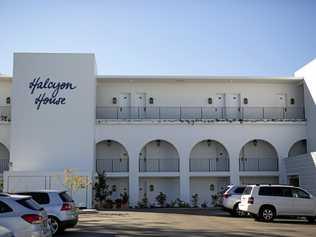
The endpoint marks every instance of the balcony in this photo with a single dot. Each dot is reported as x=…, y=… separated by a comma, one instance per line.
x=159, y=165
x=5, y=113
x=209, y=165
x=200, y=113
x=4, y=165
x=111, y=165
x=258, y=164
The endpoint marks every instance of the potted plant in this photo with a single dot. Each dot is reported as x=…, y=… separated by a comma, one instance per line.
x=195, y=200
x=161, y=199
x=102, y=192
x=124, y=198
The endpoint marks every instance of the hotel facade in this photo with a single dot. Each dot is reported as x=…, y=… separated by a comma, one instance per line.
x=180, y=135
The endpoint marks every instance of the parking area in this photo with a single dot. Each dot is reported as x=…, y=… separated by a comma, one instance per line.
x=183, y=222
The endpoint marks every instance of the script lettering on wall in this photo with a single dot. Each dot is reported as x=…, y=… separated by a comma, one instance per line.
x=49, y=91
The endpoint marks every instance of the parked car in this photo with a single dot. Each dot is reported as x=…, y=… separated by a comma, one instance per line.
x=265, y=202
x=231, y=199
x=61, y=209
x=4, y=232
x=23, y=216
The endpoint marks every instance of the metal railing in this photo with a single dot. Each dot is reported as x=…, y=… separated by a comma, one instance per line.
x=111, y=165
x=209, y=165
x=5, y=113
x=4, y=165
x=159, y=165
x=258, y=164
x=198, y=113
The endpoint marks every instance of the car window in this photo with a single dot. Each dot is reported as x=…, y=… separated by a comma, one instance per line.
x=40, y=198
x=247, y=191
x=270, y=191
x=298, y=193
x=65, y=197
x=29, y=203
x=239, y=190
x=4, y=208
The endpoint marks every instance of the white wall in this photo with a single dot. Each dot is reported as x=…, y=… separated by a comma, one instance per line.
x=54, y=137
x=172, y=93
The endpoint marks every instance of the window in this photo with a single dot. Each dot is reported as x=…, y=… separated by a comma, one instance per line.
x=294, y=180
x=239, y=190
x=275, y=191
x=40, y=198
x=4, y=208
x=65, y=197
x=298, y=193
x=247, y=190
x=29, y=203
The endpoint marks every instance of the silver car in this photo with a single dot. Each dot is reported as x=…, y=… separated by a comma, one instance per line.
x=4, y=232
x=61, y=209
x=23, y=216
x=231, y=199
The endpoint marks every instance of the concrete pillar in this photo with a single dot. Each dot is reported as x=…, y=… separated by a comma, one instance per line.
x=184, y=175
x=133, y=181
x=282, y=170
x=234, y=165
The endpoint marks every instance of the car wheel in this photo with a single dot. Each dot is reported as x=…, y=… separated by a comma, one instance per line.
x=311, y=219
x=267, y=213
x=54, y=225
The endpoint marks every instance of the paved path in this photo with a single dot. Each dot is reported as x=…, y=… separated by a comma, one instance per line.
x=183, y=223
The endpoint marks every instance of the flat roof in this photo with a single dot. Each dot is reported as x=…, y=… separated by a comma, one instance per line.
x=181, y=78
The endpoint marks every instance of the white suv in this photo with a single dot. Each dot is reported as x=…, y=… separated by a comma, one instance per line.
x=265, y=202
x=231, y=199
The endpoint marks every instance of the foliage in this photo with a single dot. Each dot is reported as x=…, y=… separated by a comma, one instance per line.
x=75, y=182
x=124, y=197
x=204, y=204
x=195, y=200
x=101, y=188
x=181, y=204
x=144, y=202
x=161, y=199
x=215, y=199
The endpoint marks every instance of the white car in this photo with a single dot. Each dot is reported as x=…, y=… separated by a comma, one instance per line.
x=231, y=199
x=61, y=209
x=23, y=216
x=265, y=202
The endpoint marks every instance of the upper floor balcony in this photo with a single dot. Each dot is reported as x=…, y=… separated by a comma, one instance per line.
x=200, y=113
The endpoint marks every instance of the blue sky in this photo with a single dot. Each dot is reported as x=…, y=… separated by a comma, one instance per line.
x=224, y=37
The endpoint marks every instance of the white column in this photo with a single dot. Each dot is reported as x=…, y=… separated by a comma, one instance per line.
x=282, y=170
x=234, y=165
x=184, y=175
x=133, y=181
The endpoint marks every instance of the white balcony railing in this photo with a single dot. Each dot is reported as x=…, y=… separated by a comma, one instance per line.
x=159, y=165
x=198, y=113
x=111, y=165
x=209, y=165
x=258, y=164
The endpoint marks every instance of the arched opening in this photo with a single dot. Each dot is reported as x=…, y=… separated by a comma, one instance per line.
x=209, y=156
x=4, y=158
x=111, y=156
x=258, y=155
x=298, y=148
x=159, y=156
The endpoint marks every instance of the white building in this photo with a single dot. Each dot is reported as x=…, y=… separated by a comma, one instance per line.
x=179, y=135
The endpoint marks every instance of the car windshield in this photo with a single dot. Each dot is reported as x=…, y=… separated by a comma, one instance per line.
x=29, y=203
x=65, y=197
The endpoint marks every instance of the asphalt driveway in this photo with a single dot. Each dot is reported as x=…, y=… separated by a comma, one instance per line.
x=181, y=222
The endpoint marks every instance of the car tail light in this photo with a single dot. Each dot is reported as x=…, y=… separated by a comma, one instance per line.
x=251, y=200
x=226, y=195
x=67, y=206
x=33, y=218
